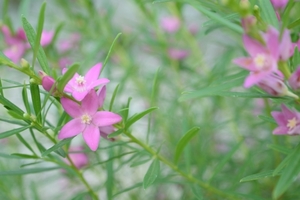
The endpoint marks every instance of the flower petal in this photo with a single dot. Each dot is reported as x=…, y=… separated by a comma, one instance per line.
x=93, y=73
x=91, y=136
x=71, y=107
x=101, y=96
x=105, y=118
x=288, y=114
x=90, y=103
x=98, y=82
x=79, y=95
x=252, y=46
x=280, y=130
x=246, y=63
x=279, y=118
x=72, y=128
x=286, y=46
x=272, y=41
x=253, y=79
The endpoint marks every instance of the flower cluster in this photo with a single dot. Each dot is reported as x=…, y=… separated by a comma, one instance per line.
x=269, y=52
x=88, y=116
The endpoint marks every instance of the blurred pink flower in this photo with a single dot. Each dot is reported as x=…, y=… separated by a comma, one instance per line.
x=288, y=121
x=87, y=119
x=274, y=85
x=170, y=24
x=263, y=60
x=46, y=38
x=279, y=4
x=17, y=44
x=69, y=44
x=178, y=54
x=79, y=158
x=64, y=62
x=79, y=86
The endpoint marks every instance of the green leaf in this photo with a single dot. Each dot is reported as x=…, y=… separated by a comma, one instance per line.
x=26, y=156
x=128, y=189
x=27, y=171
x=211, y=90
x=197, y=192
x=267, y=13
x=228, y=17
x=110, y=50
x=279, y=148
x=214, y=16
x=12, y=132
x=24, y=142
x=39, y=32
x=36, y=100
x=183, y=142
x=25, y=99
x=151, y=174
x=257, y=176
x=138, y=116
x=289, y=174
x=10, y=106
x=139, y=162
x=1, y=90
x=56, y=146
x=116, y=133
x=62, y=82
x=267, y=119
x=113, y=97
x=31, y=36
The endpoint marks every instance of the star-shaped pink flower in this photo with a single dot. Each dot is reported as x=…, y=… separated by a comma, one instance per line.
x=87, y=119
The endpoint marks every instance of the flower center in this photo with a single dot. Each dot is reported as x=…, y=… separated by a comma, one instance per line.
x=291, y=123
x=80, y=80
x=260, y=60
x=86, y=119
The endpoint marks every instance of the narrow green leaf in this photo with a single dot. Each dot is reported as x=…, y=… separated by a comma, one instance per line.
x=267, y=119
x=151, y=174
x=110, y=50
x=267, y=13
x=294, y=24
x=25, y=99
x=183, y=142
x=138, y=116
x=56, y=32
x=257, y=176
x=116, y=133
x=12, y=132
x=128, y=189
x=27, y=171
x=3, y=155
x=197, y=192
x=214, y=16
x=139, y=162
x=14, y=114
x=62, y=82
x=125, y=115
x=279, y=148
x=289, y=173
x=211, y=90
x=228, y=17
x=56, y=146
x=10, y=106
x=36, y=100
x=113, y=97
x=39, y=32
x=31, y=36
x=26, y=156
x=1, y=90
x=24, y=142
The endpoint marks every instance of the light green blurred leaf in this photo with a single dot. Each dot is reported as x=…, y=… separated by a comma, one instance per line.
x=56, y=146
x=12, y=132
x=268, y=13
x=138, y=116
x=258, y=176
x=151, y=174
x=184, y=141
x=27, y=171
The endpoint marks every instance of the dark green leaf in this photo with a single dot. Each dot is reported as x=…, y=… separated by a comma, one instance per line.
x=31, y=36
x=25, y=99
x=56, y=146
x=183, y=142
x=12, y=132
x=113, y=97
x=151, y=174
x=26, y=156
x=138, y=116
x=67, y=76
x=280, y=148
x=36, y=100
x=257, y=176
x=27, y=171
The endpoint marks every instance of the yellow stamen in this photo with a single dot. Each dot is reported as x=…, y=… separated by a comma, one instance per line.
x=292, y=123
x=80, y=80
x=86, y=119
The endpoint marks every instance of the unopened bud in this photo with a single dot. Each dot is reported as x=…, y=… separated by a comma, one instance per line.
x=274, y=85
x=25, y=64
x=244, y=4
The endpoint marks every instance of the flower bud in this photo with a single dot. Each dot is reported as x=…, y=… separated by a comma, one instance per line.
x=248, y=22
x=47, y=82
x=24, y=63
x=273, y=85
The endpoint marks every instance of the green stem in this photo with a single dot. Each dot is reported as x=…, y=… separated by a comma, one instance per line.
x=80, y=175
x=188, y=177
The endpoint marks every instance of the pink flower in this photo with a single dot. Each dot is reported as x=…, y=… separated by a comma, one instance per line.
x=79, y=159
x=17, y=44
x=87, y=119
x=263, y=60
x=69, y=44
x=279, y=4
x=294, y=80
x=79, y=85
x=64, y=62
x=286, y=47
x=288, y=121
x=274, y=85
x=177, y=54
x=170, y=24
x=46, y=38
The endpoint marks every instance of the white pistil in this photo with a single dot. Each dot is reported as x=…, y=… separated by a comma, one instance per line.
x=86, y=119
x=80, y=80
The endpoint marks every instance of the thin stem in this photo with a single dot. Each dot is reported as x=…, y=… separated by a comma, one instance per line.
x=81, y=177
x=188, y=177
